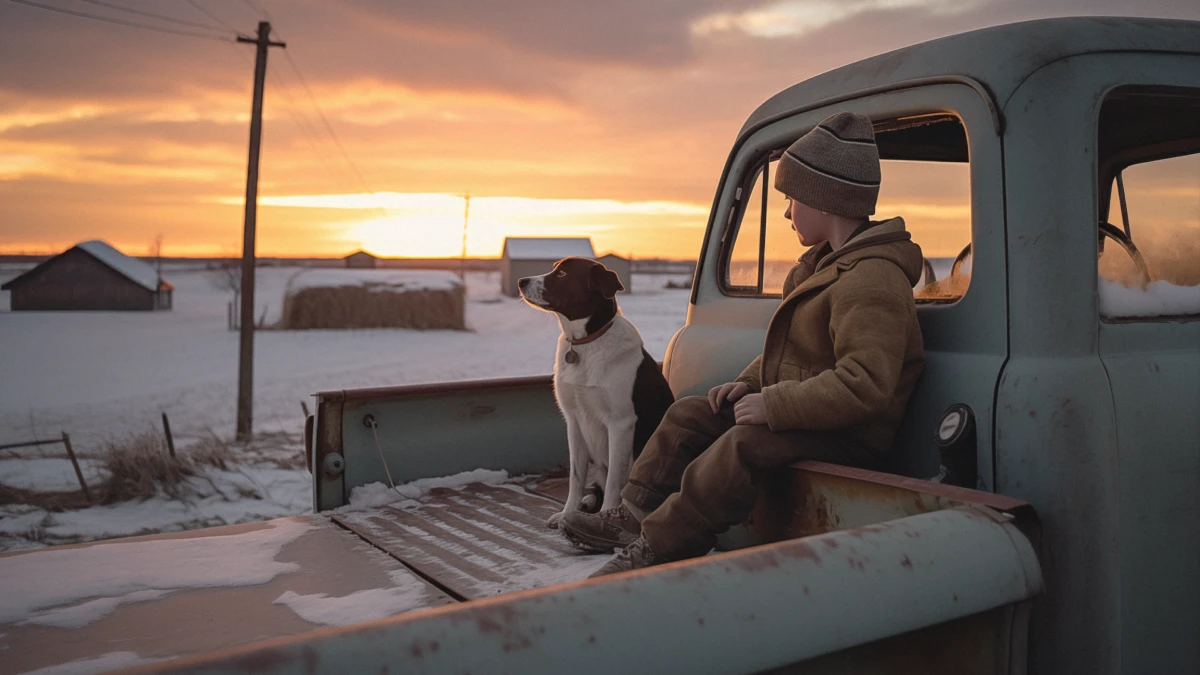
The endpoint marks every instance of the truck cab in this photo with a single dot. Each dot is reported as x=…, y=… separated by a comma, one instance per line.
x=1059, y=165
x=1038, y=511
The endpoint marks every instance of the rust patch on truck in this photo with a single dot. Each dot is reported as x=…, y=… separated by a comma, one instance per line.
x=809, y=498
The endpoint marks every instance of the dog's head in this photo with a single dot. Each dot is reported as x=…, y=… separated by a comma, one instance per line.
x=577, y=288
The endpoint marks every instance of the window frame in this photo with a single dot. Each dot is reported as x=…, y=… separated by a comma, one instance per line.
x=762, y=161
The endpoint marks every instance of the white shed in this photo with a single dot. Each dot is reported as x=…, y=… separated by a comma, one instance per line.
x=530, y=256
x=622, y=266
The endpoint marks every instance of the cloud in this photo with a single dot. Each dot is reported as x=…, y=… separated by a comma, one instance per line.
x=800, y=17
x=110, y=131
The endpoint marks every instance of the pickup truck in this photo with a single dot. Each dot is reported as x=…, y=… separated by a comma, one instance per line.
x=1038, y=514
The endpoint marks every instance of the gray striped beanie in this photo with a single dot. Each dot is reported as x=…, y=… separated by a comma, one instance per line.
x=833, y=168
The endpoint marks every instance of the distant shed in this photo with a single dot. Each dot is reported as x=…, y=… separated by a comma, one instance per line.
x=90, y=276
x=621, y=266
x=530, y=256
x=361, y=260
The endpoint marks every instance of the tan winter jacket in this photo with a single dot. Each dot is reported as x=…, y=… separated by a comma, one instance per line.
x=844, y=350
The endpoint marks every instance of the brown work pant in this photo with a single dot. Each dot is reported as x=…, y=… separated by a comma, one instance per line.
x=699, y=472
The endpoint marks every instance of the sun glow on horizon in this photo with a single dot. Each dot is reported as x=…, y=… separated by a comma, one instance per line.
x=431, y=224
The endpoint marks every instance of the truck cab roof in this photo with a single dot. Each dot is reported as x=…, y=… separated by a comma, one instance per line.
x=998, y=58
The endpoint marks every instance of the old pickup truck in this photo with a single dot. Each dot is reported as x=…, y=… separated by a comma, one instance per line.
x=1038, y=515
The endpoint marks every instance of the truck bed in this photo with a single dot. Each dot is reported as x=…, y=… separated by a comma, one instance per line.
x=480, y=540
x=236, y=597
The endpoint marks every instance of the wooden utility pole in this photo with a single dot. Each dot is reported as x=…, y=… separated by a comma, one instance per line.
x=245, y=415
x=462, y=264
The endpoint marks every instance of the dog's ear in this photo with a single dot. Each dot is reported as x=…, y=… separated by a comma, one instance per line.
x=606, y=281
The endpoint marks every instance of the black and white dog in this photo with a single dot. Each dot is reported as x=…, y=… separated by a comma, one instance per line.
x=611, y=392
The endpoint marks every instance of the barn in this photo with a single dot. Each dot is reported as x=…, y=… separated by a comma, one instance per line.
x=90, y=276
x=530, y=256
x=361, y=260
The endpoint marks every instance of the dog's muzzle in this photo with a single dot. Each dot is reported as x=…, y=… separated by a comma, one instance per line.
x=531, y=290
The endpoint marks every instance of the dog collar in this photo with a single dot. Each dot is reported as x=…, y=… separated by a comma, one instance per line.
x=593, y=337
x=571, y=356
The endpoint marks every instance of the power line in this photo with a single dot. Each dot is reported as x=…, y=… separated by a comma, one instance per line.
x=212, y=16
x=324, y=120
x=308, y=129
x=259, y=10
x=120, y=22
x=301, y=123
x=152, y=15
x=320, y=113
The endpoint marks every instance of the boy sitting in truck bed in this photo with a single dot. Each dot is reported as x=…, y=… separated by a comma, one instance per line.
x=841, y=357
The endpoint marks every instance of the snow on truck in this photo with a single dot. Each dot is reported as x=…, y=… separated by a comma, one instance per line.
x=1057, y=414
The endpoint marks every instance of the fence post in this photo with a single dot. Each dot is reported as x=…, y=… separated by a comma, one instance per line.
x=167, y=431
x=75, y=463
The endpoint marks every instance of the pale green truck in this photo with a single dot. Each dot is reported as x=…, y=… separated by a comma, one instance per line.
x=1055, y=163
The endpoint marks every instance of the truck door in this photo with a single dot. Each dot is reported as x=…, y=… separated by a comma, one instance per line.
x=951, y=200
x=1149, y=342
x=1099, y=406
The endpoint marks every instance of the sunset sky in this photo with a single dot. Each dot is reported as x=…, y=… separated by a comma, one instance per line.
x=609, y=119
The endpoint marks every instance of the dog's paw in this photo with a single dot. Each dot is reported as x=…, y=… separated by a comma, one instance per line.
x=553, y=521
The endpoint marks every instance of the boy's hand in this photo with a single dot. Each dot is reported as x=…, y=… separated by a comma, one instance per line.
x=750, y=410
x=728, y=392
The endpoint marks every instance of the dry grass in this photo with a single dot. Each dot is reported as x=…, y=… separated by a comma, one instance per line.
x=374, y=307
x=140, y=467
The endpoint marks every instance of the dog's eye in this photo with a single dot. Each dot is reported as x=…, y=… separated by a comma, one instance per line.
x=561, y=273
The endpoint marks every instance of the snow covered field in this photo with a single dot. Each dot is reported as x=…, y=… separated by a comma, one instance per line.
x=102, y=376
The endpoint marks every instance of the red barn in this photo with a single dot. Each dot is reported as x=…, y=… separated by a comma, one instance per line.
x=90, y=276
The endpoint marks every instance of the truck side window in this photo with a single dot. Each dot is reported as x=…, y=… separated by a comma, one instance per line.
x=926, y=181
x=1149, y=230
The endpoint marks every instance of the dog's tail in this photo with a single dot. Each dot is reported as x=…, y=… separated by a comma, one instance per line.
x=593, y=491
x=593, y=497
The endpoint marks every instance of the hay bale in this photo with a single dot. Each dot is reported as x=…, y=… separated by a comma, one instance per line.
x=374, y=299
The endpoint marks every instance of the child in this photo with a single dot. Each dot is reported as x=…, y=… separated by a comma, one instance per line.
x=841, y=357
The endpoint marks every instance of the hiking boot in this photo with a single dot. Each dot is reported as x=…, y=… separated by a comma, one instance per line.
x=601, y=532
x=633, y=557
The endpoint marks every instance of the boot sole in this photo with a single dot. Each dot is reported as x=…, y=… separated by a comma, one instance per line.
x=593, y=544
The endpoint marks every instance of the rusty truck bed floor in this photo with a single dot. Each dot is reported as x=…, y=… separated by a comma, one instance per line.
x=166, y=595
x=478, y=541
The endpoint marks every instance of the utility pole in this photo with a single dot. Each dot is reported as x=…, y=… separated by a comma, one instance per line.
x=462, y=265
x=245, y=415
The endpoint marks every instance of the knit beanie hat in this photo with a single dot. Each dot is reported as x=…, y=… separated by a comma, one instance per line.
x=833, y=168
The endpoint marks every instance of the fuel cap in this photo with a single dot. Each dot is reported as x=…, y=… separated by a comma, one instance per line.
x=956, y=422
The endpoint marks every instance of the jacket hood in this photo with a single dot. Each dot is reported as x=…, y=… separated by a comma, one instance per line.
x=887, y=240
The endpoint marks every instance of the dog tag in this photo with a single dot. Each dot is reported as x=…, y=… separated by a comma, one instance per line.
x=571, y=357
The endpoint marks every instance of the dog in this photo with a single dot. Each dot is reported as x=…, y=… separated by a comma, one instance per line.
x=611, y=392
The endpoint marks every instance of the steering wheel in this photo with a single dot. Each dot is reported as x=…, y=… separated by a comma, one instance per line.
x=1116, y=234
x=959, y=260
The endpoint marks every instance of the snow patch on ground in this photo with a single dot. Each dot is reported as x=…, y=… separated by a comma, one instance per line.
x=389, y=280
x=119, y=570
x=222, y=498
x=1160, y=298
x=98, y=664
x=373, y=495
x=406, y=593
x=101, y=376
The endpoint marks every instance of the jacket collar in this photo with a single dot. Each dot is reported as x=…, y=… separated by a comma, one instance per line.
x=827, y=264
